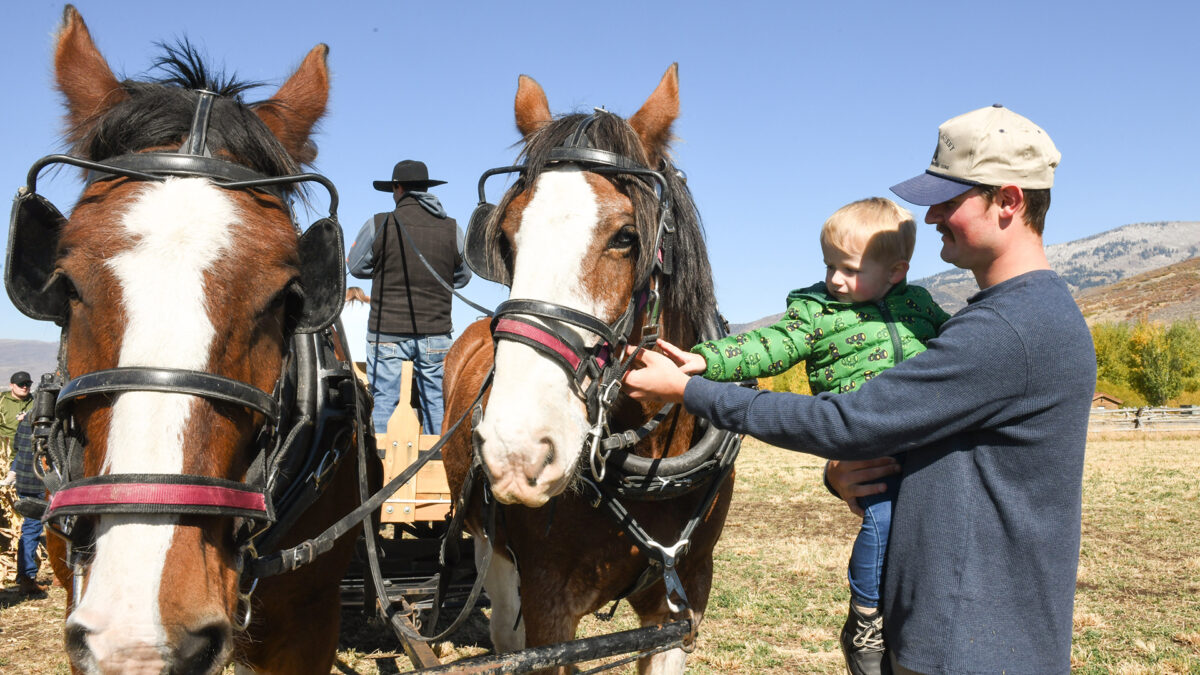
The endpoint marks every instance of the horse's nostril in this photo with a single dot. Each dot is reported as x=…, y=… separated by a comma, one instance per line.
x=546, y=444
x=203, y=650
x=76, y=644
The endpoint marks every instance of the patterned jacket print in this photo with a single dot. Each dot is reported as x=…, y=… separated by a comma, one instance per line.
x=843, y=344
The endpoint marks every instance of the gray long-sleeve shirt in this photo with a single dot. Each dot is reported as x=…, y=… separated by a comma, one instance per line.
x=984, y=550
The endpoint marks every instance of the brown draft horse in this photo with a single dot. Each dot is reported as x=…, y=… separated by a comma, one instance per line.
x=567, y=236
x=177, y=274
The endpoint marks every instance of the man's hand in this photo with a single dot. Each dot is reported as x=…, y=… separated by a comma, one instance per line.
x=656, y=377
x=854, y=479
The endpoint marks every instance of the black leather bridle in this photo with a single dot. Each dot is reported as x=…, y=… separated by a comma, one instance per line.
x=595, y=370
x=314, y=405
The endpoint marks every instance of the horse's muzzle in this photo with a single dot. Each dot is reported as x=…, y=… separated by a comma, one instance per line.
x=203, y=650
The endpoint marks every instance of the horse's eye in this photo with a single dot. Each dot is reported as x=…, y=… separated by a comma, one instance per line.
x=625, y=238
x=60, y=278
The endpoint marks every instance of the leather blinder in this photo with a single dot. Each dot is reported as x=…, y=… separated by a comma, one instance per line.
x=322, y=276
x=482, y=251
x=33, y=233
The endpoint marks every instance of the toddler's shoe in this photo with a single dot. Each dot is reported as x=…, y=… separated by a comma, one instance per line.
x=862, y=643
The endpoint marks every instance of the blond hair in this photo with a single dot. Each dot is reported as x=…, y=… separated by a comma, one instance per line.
x=883, y=230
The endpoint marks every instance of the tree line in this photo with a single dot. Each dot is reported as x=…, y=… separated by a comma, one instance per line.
x=1141, y=363
x=1149, y=362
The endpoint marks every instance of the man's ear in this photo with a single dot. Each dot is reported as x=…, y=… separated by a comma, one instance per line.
x=899, y=271
x=1011, y=200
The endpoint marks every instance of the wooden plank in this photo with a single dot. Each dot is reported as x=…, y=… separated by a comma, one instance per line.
x=427, y=496
x=420, y=653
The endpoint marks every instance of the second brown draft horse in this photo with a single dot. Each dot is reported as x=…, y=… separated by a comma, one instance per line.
x=601, y=497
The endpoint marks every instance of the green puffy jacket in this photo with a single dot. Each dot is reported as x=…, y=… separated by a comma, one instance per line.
x=844, y=344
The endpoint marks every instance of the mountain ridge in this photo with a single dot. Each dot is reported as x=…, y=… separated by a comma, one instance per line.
x=1094, y=262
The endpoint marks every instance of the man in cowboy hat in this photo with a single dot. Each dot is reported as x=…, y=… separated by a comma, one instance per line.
x=401, y=251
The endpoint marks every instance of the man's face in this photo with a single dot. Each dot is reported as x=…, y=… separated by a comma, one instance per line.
x=969, y=227
x=19, y=390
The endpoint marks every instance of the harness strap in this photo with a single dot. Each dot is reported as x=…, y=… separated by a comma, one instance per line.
x=664, y=558
x=141, y=493
x=449, y=543
x=546, y=310
x=552, y=345
x=197, y=141
x=413, y=245
x=304, y=553
x=168, y=380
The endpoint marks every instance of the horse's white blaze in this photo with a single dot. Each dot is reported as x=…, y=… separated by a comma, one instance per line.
x=534, y=425
x=178, y=229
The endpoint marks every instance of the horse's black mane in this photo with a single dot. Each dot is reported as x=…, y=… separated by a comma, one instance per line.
x=688, y=297
x=158, y=113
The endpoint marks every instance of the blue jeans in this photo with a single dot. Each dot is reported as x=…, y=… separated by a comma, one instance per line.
x=31, y=533
x=427, y=352
x=870, y=546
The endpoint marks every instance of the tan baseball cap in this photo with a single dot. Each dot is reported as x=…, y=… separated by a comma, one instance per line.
x=989, y=146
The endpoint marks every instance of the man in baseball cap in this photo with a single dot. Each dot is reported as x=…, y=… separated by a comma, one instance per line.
x=13, y=405
x=988, y=191
x=984, y=548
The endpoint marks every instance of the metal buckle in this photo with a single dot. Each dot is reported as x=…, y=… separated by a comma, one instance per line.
x=674, y=587
x=596, y=433
x=244, y=600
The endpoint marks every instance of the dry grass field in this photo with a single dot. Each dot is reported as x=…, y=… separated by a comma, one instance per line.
x=780, y=593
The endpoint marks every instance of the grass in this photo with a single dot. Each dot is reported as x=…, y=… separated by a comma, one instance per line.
x=780, y=592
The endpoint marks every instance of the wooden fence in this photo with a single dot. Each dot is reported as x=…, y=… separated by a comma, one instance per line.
x=1145, y=419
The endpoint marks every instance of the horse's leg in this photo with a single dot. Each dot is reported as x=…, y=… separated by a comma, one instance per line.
x=503, y=586
x=550, y=611
x=695, y=574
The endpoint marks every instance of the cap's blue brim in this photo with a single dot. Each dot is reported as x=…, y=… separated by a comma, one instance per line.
x=929, y=189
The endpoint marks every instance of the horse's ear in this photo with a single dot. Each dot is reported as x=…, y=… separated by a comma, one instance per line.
x=293, y=111
x=531, y=106
x=653, y=122
x=83, y=76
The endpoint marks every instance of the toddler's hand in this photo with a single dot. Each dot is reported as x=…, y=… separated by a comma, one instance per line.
x=689, y=363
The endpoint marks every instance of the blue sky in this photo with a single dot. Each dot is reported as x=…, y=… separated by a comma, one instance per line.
x=789, y=109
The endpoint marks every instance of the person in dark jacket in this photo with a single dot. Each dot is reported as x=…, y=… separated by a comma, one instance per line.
x=410, y=307
x=27, y=483
x=984, y=549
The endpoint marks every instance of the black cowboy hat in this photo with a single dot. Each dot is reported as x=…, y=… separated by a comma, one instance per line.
x=410, y=173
